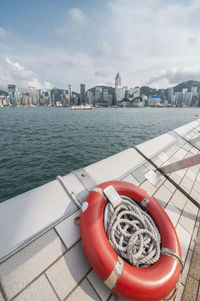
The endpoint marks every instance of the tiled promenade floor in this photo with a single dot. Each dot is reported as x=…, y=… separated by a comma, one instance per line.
x=192, y=287
x=53, y=266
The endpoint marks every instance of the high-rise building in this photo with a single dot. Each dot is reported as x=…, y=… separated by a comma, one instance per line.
x=163, y=96
x=11, y=88
x=12, y=94
x=179, y=99
x=170, y=92
x=118, y=81
x=90, y=97
x=118, y=89
x=154, y=101
x=82, y=94
x=70, y=94
x=184, y=91
x=105, y=96
x=98, y=95
x=194, y=90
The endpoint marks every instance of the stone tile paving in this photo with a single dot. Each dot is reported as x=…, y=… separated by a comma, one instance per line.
x=37, y=291
x=84, y=292
x=23, y=267
x=54, y=267
x=67, y=272
x=102, y=290
x=71, y=277
x=192, y=291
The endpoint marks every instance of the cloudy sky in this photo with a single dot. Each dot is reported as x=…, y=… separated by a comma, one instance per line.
x=51, y=43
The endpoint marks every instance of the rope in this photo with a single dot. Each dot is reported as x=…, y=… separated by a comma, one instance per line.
x=132, y=233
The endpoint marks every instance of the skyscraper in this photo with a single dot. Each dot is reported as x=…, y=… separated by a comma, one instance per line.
x=170, y=92
x=98, y=95
x=12, y=94
x=82, y=94
x=118, y=89
x=194, y=90
x=118, y=81
x=70, y=94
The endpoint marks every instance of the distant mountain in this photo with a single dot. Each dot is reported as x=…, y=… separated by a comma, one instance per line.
x=3, y=93
x=111, y=90
x=150, y=91
x=178, y=88
x=187, y=85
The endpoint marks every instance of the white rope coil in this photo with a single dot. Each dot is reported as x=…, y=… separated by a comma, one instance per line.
x=132, y=233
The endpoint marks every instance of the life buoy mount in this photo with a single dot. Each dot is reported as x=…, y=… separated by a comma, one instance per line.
x=140, y=284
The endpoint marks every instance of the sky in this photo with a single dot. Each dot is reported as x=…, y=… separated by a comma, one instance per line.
x=51, y=43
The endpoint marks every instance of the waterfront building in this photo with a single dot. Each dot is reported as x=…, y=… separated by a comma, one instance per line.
x=170, y=93
x=137, y=92
x=4, y=101
x=55, y=96
x=98, y=95
x=154, y=101
x=17, y=97
x=110, y=100
x=124, y=91
x=82, y=94
x=134, y=92
x=194, y=90
x=195, y=100
x=184, y=91
x=118, y=89
x=118, y=81
x=12, y=94
x=105, y=96
x=179, y=99
x=118, y=95
x=90, y=97
x=70, y=94
x=162, y=96
x=65, y=98
x=188, y=98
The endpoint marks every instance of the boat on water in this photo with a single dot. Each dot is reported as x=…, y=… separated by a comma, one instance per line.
x=82, y=107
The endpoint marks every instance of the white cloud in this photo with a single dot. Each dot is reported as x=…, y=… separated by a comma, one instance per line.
x=138, y=38
x=13, y=72
x=73, y=26
x=4, y=34
x=15, y=65
x=176, y=75
x=77, y=15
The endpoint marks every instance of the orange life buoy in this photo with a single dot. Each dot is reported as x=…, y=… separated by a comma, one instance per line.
x=142, y=284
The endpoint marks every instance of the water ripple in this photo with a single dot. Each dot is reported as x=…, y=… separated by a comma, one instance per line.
x=37, y=144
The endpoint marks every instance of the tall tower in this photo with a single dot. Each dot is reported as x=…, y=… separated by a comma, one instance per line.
x=118, y=89
x=118, y=81
x=82, y=94
x=70, y=94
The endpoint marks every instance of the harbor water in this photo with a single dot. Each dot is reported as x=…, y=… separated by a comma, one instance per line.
x=37, y=144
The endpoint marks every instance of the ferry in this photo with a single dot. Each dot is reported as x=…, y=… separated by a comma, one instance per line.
x=82, y=107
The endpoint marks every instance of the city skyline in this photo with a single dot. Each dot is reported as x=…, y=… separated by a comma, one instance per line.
x=48, y=43
x=185, y=94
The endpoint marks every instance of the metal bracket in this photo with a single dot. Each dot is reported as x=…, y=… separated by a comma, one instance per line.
x=113, y=196
x=85, y=179
x=153, y=177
